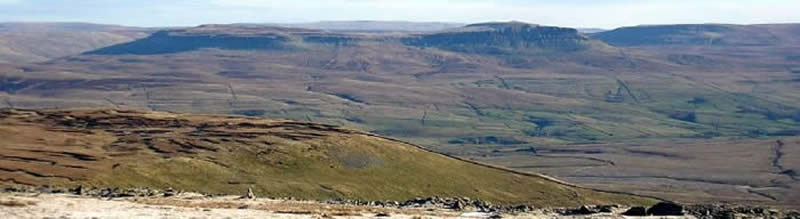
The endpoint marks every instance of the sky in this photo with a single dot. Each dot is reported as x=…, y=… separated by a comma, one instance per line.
x=570, y=13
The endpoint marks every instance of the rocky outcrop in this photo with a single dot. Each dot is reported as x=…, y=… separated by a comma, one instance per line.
x=502, y=38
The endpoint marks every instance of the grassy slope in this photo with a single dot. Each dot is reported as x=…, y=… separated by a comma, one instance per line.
x=335, y=163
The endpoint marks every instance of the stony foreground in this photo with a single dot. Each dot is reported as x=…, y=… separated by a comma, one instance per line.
x=71, y=206
x=45, y=205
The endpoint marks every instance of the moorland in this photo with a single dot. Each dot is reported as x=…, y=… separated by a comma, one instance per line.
x=694, y=113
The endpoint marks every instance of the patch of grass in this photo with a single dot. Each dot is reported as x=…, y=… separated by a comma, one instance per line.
x=308, y=171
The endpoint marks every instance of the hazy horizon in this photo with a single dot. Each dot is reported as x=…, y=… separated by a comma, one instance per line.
x=333, y=21
x=569, y=13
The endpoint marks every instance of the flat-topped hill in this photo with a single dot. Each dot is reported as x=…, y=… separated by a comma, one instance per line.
x=702, y=34
x=504, y=37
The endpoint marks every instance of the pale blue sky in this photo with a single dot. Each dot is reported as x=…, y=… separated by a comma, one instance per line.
x=573, y=13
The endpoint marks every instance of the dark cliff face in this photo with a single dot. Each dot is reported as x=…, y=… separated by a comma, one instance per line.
x=228, y=37
x=501, y=38
x=330, y=39
x=690, y=34
x=173, y=42
x=486, y=38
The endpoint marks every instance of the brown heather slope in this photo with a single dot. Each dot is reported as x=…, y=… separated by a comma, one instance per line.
x=218, y=154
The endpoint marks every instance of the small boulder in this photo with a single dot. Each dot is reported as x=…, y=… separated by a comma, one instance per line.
x=250, y=194
x=666, y=209
x=607, y=208
x=584, y=210
x=109, y=192
x=457, y=205
x=78, y=190
x=521, y=208
x=636, y=211
x=170, y=192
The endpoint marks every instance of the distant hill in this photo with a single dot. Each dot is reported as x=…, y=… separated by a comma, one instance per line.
x=501, y=38
x=486, y=38
x=701, y=34
x=277, y=158
x=28, y=27
x=34, y=42
x=207, y=36
x=233, y=37
x=786, y=33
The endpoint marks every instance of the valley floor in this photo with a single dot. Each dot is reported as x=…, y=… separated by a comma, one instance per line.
x=761, y=172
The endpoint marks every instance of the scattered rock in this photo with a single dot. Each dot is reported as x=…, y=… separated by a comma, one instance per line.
x=457, y=204
x=583, y=210
x=45, y=190
x=588, y=210
x=77, y=190
x=521, y=209
x=250, y=194
x=793, y=215
x=607, y=208
x=170, y=192
x=108, y=192
x=666, y=209
x=636, y=211
x=732, y=212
